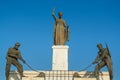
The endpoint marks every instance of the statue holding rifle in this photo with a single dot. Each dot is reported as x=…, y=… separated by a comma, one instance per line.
x=103, y=59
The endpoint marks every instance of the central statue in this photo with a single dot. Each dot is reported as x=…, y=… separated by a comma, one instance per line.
x=61, y=30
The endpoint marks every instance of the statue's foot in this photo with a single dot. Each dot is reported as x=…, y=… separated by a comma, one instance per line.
x=23, y=75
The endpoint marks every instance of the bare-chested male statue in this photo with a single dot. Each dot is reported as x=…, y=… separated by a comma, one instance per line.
x=103, y=59
x=12, y=57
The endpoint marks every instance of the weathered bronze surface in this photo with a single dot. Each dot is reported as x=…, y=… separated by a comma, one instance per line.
x=12, y=57
x=61, y=30
x=103, y=59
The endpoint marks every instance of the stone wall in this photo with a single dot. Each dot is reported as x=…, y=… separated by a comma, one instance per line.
x=58, y=75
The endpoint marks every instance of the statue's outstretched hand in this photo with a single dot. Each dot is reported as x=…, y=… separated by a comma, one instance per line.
x=23, y=61
x=94, y=62
x=53, y=11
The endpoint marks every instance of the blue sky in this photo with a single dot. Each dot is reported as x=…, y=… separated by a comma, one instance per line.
x=30, y=23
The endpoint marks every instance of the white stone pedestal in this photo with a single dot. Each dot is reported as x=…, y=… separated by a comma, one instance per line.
x=60, y=57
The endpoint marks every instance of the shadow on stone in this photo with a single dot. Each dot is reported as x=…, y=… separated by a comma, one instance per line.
x=41, y=74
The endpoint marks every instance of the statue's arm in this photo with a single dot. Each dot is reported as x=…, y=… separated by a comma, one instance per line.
x=7, y=54
x=97, y=58
x=65, y=25
x=103, y=55
x=53, y=14
x=67, y=31
x=20, y=57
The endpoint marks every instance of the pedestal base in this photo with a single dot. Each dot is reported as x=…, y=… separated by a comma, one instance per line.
x=60, y=57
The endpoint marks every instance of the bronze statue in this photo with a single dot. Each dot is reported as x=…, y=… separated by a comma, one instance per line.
x=103, y=59
x=61, y=30
x=12, y=57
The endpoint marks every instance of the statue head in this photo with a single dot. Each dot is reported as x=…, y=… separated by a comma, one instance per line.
x=99, y=46
x=60, y=14
x=17, y=45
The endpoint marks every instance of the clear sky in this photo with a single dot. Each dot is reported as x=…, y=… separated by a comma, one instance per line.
x=30, y=22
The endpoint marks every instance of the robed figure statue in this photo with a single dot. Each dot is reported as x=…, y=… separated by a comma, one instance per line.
x=61, y=30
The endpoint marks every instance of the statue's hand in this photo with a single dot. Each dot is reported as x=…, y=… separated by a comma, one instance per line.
x=53, y=11
x=94, y=62
x=23, y=61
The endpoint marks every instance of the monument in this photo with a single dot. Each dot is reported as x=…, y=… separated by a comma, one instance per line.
x=60, y=51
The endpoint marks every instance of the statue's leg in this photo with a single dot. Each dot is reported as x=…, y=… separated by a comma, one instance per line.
x=8, y=64
x=19, y=68
x=97, y=68
x=110, y=69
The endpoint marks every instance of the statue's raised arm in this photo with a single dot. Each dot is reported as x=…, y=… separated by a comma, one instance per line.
x=53, y=14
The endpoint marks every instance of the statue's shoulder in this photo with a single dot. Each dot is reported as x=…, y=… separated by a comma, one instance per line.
x=10, y=48
x=105, y=50
x=13, y=50
x=64, y=21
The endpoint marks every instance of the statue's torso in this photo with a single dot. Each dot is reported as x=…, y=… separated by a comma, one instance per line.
x=60, y=22
x=13, y=52
x=105, y=54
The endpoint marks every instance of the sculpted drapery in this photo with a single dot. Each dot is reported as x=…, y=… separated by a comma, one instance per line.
x=61, y=30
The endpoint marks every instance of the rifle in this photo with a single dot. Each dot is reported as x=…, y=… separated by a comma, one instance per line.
x=108, y=50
